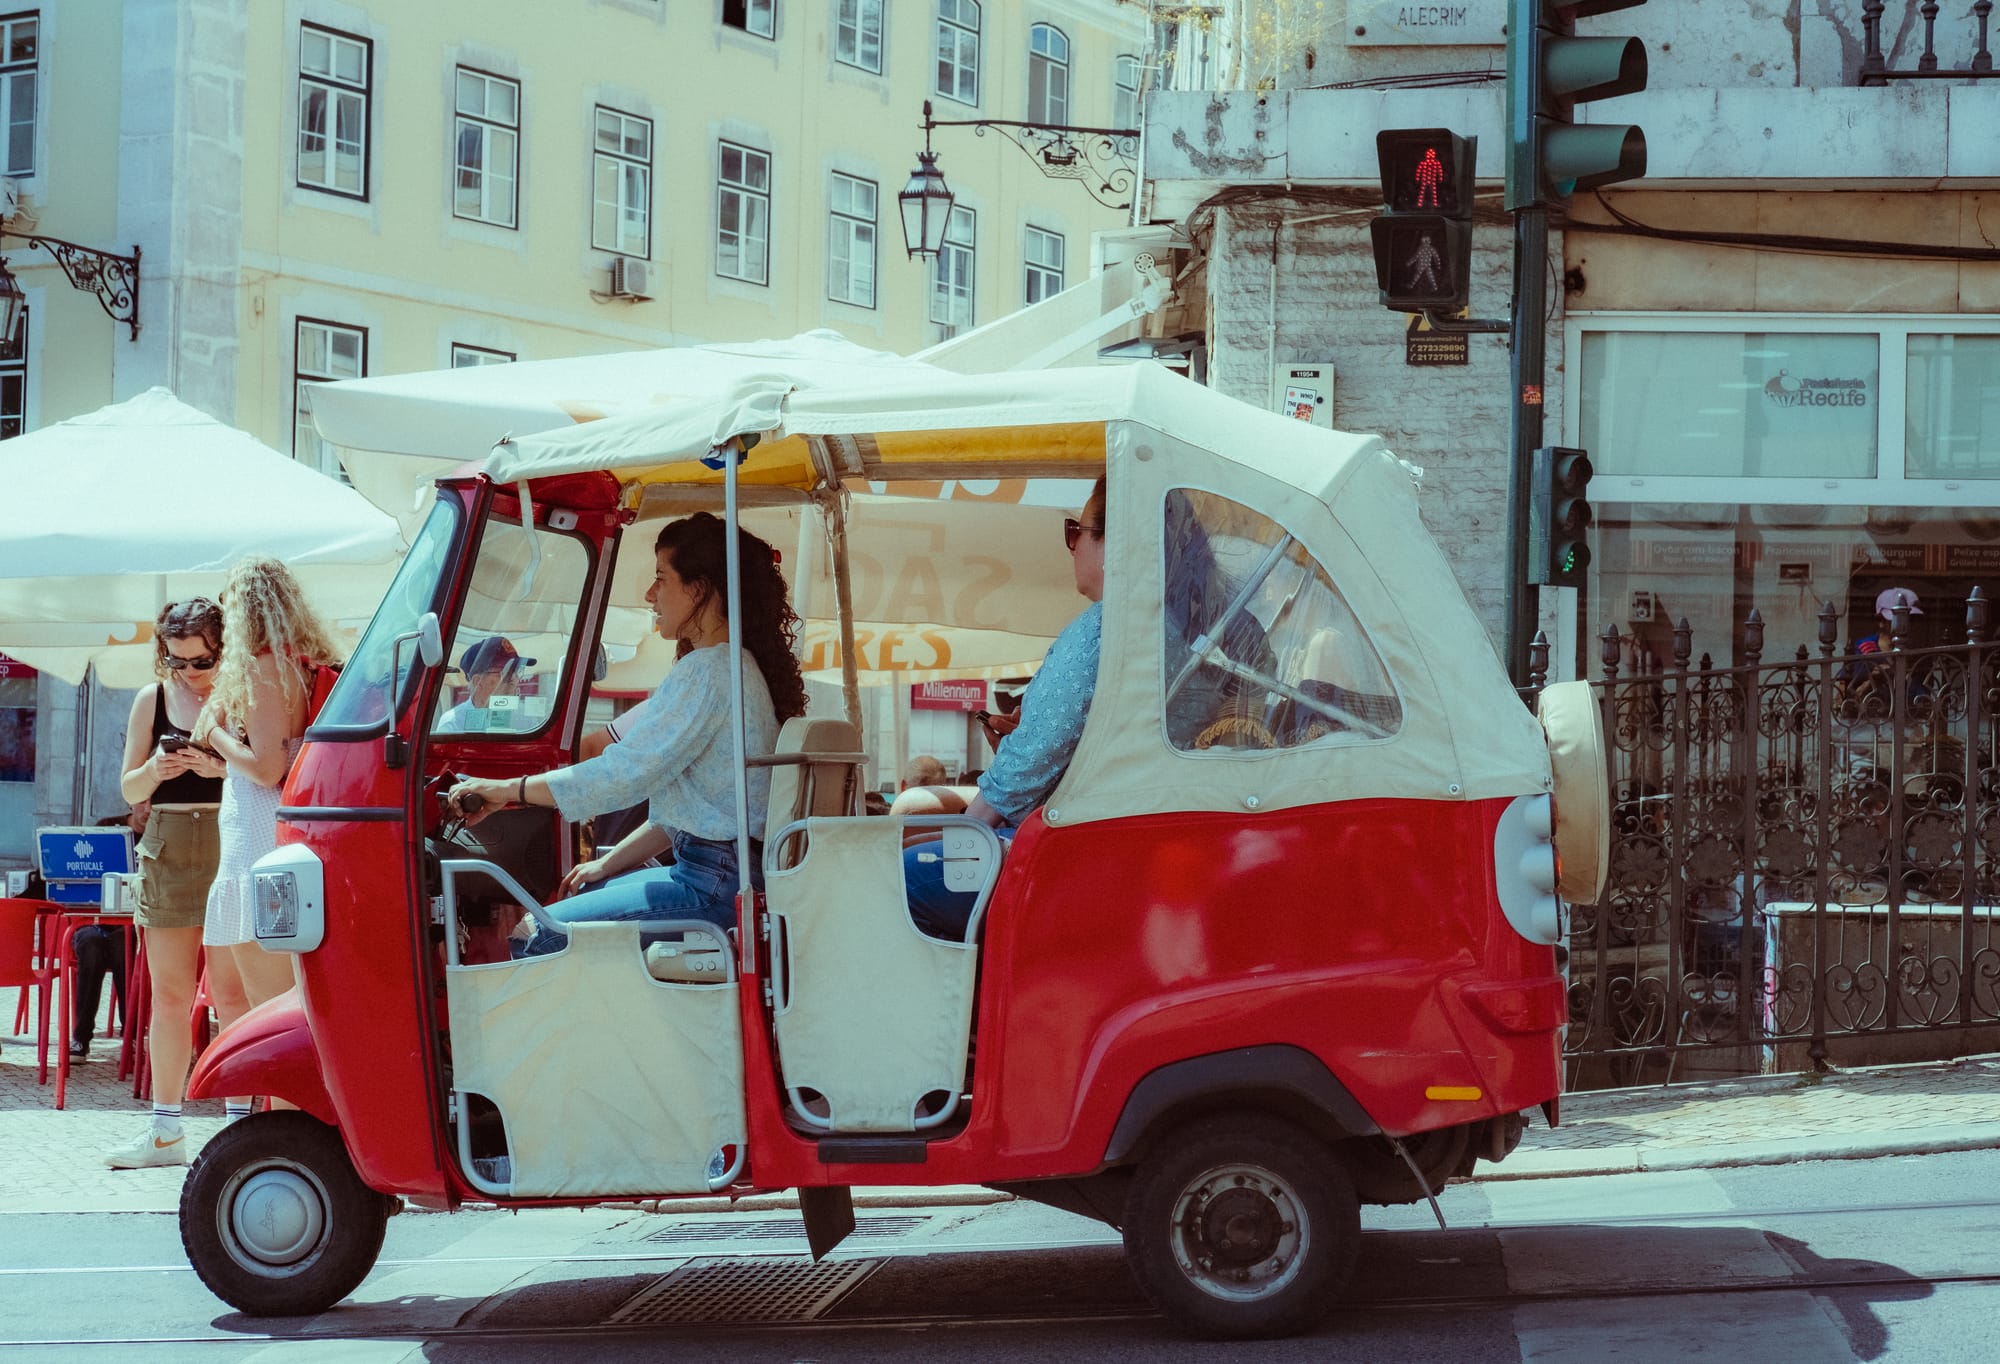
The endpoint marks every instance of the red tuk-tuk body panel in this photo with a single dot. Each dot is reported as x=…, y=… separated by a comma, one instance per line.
x=267, y=1051
x=1364, y=932
x=361, y=986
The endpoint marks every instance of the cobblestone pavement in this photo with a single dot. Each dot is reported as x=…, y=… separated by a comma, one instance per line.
x=52, y=1161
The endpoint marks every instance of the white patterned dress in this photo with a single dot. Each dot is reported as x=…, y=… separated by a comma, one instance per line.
x=248, y=828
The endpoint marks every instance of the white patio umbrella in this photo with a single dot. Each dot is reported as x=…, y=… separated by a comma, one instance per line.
x=109, y=516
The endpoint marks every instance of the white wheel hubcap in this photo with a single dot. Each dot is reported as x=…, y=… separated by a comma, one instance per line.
x=277, y=1216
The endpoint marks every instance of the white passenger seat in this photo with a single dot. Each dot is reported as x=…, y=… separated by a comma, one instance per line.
x=816, y=788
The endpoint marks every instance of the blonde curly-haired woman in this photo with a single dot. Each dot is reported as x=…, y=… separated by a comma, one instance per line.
x=254, y=717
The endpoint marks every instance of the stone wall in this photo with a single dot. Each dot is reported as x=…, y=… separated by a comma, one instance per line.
x=1321, y=303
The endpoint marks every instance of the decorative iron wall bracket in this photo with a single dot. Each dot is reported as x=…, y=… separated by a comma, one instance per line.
x=1104, y=161
x=113, y=278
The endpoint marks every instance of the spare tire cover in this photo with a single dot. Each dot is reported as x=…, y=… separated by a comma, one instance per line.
x=1582, y=796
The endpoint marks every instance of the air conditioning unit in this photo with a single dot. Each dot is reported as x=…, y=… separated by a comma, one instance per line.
x=630, y=279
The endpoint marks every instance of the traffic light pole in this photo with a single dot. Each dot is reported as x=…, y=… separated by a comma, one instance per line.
x=1528, y=342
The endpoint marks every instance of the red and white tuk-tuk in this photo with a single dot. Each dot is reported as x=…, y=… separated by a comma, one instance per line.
x=1282, y=941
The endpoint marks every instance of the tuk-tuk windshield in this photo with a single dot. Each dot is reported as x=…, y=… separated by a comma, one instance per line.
x=362, y=699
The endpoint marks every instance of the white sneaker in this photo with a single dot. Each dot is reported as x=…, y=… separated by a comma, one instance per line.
x=157, y=1145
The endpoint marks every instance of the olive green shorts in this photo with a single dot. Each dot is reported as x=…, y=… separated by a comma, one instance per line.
x=177, y=858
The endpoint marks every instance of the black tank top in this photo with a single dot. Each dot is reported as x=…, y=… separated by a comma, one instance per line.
x=188, y=788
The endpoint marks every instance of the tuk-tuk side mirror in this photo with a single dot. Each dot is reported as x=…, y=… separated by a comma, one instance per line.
x=600, y=664
x=430, y=648
x=430, y=640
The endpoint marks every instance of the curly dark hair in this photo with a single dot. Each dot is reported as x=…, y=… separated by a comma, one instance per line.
x=698, y=549
x=195, y=618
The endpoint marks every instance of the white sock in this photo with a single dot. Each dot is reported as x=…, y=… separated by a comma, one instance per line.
x=235, y=1108
x=167, y=1115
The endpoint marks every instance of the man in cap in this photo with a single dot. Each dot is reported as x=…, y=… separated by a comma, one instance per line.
x=493, y=668
x=1858, y=674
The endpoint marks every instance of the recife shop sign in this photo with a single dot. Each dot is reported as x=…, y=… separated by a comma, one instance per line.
x=1787, y=391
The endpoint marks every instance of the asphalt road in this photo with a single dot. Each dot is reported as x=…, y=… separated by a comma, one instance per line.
x=1831, y=1261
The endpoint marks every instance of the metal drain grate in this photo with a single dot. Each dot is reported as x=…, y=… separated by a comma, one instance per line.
x=776, y=1229
x=758, y=1291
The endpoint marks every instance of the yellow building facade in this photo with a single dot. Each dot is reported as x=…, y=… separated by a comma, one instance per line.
x=324, y=188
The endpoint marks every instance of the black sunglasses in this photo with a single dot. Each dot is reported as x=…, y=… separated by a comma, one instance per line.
x=200, y=665
x=1073, y=530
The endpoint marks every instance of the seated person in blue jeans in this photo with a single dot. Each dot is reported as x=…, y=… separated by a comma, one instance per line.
x=680, y=754
x=1032, y=759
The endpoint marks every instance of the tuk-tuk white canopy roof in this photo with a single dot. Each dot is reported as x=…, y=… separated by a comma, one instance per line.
x=1345, y=497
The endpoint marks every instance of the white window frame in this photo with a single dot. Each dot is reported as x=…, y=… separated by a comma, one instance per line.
x=857, y=34
x=749, y=200
x=1891, y=486
x=1126, y=70
x=492, y=168
x=961, y=244
x=851, y=239
x=319, y=454
x=20, y=82
x=631, y=185
x=336, y=91
x=1050, y=270
x=958, y=25
x=760, y=18
x=465, y=356
x=1048, y=59
x=14, y=365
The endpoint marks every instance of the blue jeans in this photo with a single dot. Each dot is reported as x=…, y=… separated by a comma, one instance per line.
x=701, y=884
x=939, y=912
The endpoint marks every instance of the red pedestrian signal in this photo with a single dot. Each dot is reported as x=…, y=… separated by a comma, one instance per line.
x=1423, y=244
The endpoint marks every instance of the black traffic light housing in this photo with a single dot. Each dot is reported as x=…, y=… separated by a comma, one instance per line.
x=1549, y=71
x=1423, y=242
x=1558, y=517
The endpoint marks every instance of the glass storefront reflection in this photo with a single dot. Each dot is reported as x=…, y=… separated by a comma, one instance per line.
x=1657, y=564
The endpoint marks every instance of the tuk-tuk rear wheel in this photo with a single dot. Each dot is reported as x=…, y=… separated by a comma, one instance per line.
x=1241, y=1226
x=274, y=1219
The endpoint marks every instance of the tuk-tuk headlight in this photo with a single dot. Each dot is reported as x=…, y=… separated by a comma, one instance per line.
x=288, y=900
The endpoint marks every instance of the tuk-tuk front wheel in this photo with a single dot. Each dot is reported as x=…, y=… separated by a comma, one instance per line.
x=274, y=1219
x=1242, y=1226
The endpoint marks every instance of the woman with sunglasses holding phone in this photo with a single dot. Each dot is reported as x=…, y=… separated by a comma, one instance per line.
x=179, y=784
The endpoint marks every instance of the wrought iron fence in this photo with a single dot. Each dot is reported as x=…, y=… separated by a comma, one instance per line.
x=1875, y=69
x=1805, y=859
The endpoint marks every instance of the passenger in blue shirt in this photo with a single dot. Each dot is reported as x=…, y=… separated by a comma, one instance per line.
x=1032, y=759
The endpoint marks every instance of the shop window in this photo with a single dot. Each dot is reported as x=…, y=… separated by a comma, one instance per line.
x=857, y=34
x=17, y=758
x=1951, y=408
x=622, y=184
x=20, y=60
x=850, y=250
x=1262, y=651
x=322, y=351
x=485, y=180
x=334, y=75
x=1048, y=76
x=1731, y=404
x=958, y=50
x=743, y=215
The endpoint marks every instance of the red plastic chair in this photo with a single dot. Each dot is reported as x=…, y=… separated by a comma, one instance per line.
x=23, y=963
